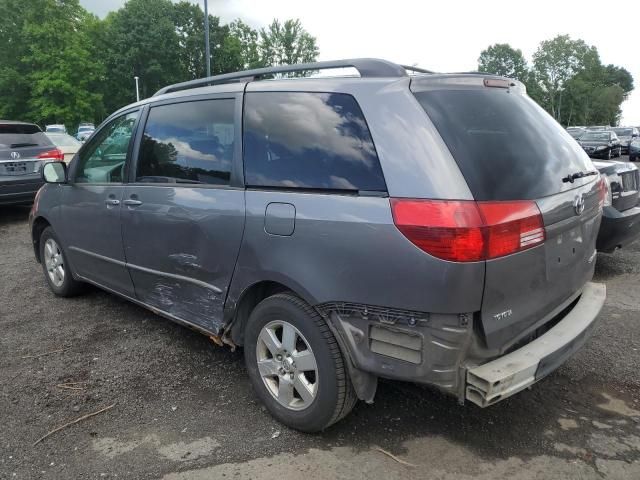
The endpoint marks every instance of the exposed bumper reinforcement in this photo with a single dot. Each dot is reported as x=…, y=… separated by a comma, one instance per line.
x=507, y=375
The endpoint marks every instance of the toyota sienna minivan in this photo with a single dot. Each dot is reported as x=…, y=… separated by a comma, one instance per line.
x=402, y=224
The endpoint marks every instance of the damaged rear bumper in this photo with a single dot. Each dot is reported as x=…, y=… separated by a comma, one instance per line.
x=500, y=378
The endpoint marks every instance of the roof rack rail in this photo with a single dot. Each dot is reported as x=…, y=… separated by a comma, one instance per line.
x=367, y=67
x=413, y=68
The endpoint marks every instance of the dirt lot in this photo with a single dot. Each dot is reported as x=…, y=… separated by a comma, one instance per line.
x=185, y=410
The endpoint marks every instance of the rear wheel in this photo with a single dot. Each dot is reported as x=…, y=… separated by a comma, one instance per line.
x=55, y=266
x=295, y=364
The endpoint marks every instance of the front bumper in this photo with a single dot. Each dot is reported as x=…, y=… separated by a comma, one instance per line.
x=597, y=153
x=19, y=189
x=500, y=378
x=618, y=228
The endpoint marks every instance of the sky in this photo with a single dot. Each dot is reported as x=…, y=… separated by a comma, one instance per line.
x=445, y=35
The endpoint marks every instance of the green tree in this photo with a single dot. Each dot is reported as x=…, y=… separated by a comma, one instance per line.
x=555, y=62
x=502, y=59
x=49, y=73
x=246, y=43
x=286, y=43
x=140, y=40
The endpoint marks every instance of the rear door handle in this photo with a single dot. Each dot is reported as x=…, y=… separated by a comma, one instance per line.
x=132, y=203
x=112, y=201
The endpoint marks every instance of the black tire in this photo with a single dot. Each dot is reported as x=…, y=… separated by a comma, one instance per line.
x=335, y=396
x=69, y=286
x=609, y=155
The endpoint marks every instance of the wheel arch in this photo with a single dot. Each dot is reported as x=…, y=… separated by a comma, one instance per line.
x=237, y=312
x=37, y=227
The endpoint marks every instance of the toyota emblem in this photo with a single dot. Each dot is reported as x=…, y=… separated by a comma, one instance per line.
x=15, y=155
x=578, y=204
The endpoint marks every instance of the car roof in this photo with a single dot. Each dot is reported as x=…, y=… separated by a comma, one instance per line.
x=17, y=122
x=372, y=72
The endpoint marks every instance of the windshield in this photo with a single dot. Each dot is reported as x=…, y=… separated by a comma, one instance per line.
x=575, y=133
x=623, y=132
x=507, y=147
x=595, y=137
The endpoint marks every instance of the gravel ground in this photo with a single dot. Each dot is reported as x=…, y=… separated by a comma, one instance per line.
x=184, y=408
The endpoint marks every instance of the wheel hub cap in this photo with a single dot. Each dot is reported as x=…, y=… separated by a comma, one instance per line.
x=54, y=262
x=287, y=365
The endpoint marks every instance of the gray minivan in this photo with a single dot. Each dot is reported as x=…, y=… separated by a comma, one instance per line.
x=433, y=228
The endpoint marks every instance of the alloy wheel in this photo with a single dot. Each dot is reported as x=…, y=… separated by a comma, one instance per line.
x=54, y=262
x=287, y=365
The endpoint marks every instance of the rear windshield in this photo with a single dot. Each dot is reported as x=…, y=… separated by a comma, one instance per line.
x=22, y=135
x=506, y=146
x=623, y=132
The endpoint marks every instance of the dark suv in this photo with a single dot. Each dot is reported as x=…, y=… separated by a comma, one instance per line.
x=24, y=148
x=433, y=228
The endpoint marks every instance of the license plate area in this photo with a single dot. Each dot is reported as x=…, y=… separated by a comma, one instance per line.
x=569, y=245
x=16, y=168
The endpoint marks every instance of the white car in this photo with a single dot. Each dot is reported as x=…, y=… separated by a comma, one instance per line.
x=56, y=128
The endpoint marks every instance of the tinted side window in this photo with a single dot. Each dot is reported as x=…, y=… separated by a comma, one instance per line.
x=308, y=140
x=190, y=142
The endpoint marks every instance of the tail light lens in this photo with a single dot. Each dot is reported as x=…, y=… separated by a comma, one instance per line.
x=468, y=231
x=604, y=190
x=55, y=155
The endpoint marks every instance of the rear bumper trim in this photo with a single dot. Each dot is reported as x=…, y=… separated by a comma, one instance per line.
x=618, y=228
x=500, y=378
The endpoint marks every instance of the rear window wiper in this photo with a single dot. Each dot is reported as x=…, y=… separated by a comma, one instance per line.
x=574, y=176
x=18, y=145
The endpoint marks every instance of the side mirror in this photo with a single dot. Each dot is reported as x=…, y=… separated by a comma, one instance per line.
x=54, y=172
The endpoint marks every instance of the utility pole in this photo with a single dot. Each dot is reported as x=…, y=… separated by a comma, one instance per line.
x=206, y=38
x=137, y=90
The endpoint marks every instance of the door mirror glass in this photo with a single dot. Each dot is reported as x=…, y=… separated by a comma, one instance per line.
x=54, y=172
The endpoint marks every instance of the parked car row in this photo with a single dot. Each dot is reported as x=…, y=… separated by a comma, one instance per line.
x=84, y=130
x=603, y=141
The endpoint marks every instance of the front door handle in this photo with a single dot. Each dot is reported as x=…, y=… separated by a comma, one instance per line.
x=132, y=203
x=112, y=202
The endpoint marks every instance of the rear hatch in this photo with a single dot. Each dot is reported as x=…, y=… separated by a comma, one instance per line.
x=509, y=149
x=23, y=149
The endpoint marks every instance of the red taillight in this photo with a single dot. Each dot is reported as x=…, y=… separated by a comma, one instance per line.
x=451, y=230
x=55, y=155
x=468, y=231
x=511, y=227
x=603, y=188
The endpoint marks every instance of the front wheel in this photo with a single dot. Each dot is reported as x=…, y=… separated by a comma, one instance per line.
x=295, y=364
x=56, y=267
